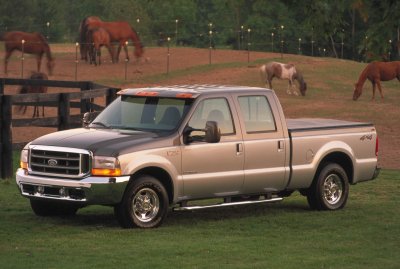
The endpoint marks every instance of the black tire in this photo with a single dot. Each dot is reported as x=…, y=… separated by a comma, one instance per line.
x=144, y=205
x=330, y=188
x=51, y=208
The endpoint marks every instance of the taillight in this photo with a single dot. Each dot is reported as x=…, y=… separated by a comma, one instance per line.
x=376, y=146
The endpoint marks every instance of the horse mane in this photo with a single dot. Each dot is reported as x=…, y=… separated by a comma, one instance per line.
x=362, y=78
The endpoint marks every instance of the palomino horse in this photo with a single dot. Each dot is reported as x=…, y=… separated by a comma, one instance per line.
x=121, y=32
x=33, y=89
x=377, y=72
x=97, y=38
x=34, y=43
x=283, y=71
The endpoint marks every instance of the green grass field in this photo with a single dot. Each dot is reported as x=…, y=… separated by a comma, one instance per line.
x=365, y=234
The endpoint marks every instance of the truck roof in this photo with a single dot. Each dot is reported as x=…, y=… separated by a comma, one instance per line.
x=187, y=91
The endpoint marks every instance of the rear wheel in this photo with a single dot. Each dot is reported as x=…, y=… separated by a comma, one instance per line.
x=51, y=208
x=144, y=205
x=330, y=188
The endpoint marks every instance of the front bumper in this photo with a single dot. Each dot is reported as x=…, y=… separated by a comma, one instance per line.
x=90, y=190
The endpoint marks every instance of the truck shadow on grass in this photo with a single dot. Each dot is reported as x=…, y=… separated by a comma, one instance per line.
x=103, y=217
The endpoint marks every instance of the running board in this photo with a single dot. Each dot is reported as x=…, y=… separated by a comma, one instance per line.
x=186, y=208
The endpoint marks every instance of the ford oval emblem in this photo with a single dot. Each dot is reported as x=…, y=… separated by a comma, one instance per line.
x=52, y=162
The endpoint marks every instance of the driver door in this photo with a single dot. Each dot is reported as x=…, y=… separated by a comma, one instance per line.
x=213, y=169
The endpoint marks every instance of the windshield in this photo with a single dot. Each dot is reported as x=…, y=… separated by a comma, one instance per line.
x=143, y=113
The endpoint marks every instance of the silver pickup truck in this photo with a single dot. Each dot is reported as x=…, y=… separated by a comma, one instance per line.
x=158, y=148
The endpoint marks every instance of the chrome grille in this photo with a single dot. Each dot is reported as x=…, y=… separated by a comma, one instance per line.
x=61, y=162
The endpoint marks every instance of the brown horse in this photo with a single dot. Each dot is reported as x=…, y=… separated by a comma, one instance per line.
x=97, y=38
x=377, y=72
x=121, y=32
x=283, y=71
x=84, y=44
x=31, y=43
x=33, y=89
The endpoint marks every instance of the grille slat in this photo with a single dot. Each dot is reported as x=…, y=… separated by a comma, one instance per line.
x=59, y=163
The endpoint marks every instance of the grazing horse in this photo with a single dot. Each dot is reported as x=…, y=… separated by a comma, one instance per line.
x=84, y=44
x=97, y=38
x=283, y=71
x=121, y=32
x=34, y=43
x=376, y=72
x=33, y=89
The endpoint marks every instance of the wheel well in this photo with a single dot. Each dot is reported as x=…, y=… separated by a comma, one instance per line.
x=162, y=176
x=341, y=159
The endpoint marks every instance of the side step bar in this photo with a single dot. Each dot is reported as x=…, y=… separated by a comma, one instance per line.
x=187, y=208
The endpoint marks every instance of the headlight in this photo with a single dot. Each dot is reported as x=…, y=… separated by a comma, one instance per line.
x=23, y=161
x=106, y=166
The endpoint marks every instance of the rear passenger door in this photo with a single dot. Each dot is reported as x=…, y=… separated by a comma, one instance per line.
x=265, y=148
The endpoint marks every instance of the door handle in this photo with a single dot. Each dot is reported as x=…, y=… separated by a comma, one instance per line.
x=281, y=145
x=239, y=148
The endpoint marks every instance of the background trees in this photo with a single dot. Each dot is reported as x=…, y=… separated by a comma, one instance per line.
x=357, y=29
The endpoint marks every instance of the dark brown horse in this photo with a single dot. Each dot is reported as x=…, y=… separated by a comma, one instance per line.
x=33, y=89
x=283, y=71
x=31, y=43
x=84, y=44
x=97, y=38
x=377, y=72
x=121, y=32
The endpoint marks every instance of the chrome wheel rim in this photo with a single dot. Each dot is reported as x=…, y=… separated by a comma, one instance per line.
x=145, y=205
x=333, y=189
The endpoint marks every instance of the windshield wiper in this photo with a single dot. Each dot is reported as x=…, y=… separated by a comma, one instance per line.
x=101, y=124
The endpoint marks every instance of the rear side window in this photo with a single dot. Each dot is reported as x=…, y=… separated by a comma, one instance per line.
x=257, y=114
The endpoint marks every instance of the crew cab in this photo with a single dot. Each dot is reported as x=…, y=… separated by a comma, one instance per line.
x=158, y=148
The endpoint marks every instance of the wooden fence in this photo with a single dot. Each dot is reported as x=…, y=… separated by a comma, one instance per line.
x=63, y=101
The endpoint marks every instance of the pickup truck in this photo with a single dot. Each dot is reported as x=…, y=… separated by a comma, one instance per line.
x=158, y=148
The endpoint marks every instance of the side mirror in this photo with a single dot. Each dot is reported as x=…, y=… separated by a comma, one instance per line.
x=87, y=118
x=213, y=134
x=211, y=130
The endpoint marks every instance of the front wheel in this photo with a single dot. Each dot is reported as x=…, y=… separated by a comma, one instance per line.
x=330, y=188
x=144, y=205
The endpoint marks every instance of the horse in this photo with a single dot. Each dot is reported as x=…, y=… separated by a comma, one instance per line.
x=97, y=38
x=121, y=32
x=34, y=43
x=84, y=44
x=376, y=72
x=283, y=71
x=33, y=89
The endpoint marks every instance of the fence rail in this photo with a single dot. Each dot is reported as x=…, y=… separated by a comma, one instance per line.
x=63, y=101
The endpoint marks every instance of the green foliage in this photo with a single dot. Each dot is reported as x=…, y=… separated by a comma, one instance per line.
x=328, y=23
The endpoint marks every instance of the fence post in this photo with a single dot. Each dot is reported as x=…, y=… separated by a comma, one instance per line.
x=85, y=104
x=2, y=82
x=6, y=160
x=63, y=111
x=111, y=95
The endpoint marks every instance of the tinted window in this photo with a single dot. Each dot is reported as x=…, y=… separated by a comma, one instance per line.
x=257, y=114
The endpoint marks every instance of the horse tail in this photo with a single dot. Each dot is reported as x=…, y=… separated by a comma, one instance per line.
x=2, y=36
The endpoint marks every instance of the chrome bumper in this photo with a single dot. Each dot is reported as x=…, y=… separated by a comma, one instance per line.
x=90, y=190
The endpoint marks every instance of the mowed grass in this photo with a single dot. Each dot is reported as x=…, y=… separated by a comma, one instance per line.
x=283, y=235
x=365, y=234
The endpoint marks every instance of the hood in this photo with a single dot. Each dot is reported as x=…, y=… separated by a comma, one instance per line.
x=106, y=142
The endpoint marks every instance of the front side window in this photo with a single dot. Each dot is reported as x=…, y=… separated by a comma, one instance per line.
x=216, y=109
x=257, y=114
x=143, y=113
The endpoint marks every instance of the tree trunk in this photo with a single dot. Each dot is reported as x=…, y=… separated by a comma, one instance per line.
x=333, y=46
